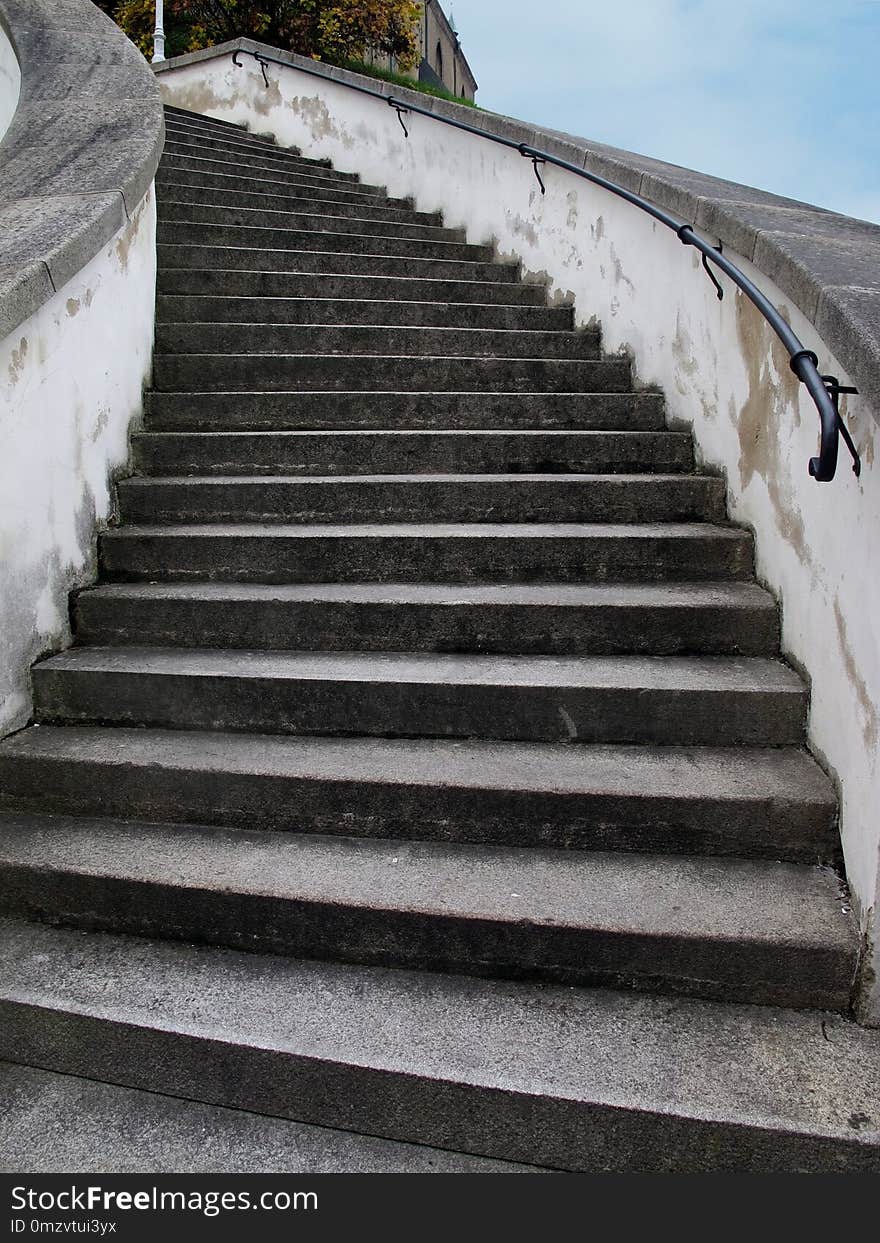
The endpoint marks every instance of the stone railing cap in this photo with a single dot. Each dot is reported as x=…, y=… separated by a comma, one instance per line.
x=81, y=151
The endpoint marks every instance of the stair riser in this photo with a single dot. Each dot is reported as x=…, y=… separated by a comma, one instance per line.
x=798, y=832
x=337, y=240
x=172, y=173
x=400, y=453
x=132, y=556
x=240, y=175
x=353, y=340
x=232, y=139
x=312, y=219
x=328, y=373
x=323, y=310
x=200, y=122
x=273, y=160
x=543, y=1130
x=409, y=709
x=331, y=262
x=603, y=499
x=509, y=629
x=725, y=970
x=428, y=411
x=232, y=147
x=275, y=199
x=222, y=284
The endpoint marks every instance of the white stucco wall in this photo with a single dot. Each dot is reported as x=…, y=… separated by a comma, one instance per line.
x=71, y=383
x=717, y=362
x=10, y=82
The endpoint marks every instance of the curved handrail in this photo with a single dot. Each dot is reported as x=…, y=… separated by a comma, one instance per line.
x=803, y=362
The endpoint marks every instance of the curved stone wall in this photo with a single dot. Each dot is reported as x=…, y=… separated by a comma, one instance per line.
x=81, y=151
x=718, y=363
x=77, y=295
x=10, y=82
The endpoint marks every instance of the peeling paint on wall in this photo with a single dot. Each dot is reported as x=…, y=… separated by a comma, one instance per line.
x=75, y=382
x=869, y=711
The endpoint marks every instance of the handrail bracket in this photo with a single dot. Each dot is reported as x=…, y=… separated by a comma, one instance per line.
x=401, y=110
x=835, y=388
x=528, y=154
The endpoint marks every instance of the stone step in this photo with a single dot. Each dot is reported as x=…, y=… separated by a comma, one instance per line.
x=65, y=1124
x=438, y=553
x=728, y=929
x=390, y=452
x=768, y=803
x=203, y=213
x=422, y=498
x=517, y=1071
x=317, y=287
x=194, y=130
x=331, y=262
x=662, y=701
x=450, y=316
x=242, y=175
x=271, y=160
x=338, y=240
x=234, y=147
x=249, y=411
x=176, y=173
x=686, y=619
x=354, y=340
x=200, y=120
x=327, y=204
x=382, y=373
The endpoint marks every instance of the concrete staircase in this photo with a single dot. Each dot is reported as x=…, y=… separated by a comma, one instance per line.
x=425, y=766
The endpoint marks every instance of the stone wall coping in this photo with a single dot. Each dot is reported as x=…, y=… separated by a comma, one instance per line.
x=828, y=264
x=81, y=151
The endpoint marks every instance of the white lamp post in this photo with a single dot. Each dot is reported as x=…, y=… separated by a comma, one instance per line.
x=159, y=33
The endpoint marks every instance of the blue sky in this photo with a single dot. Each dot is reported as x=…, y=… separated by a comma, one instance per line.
x=784, y=94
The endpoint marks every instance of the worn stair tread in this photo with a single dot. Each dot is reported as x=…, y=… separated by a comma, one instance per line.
x=447, y=530
x=275, y=199
x=361, y=411
x=209, y=127
x=206, y=211
x=258, y=181
x=699, y=595
x=373, y=340
x=775, y=1088
x=715, y=674
x=527, y=435
x=475, y=479
x=67, y=1124
x=629, y=480
x=279, y=302
x=202, y=118
x=178, y=137
x=752, y=802
x=726, y=774
x=180, y=154
x=338, y=551
x=252, y=236
x=653, y=896
x=192, y=255
x=237, y=283
x=182, y=142
x=716, y=618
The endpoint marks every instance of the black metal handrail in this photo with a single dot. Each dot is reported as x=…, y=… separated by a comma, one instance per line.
x=804, y=362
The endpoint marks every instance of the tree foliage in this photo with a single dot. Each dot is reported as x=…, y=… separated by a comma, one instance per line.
x=332, y=30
